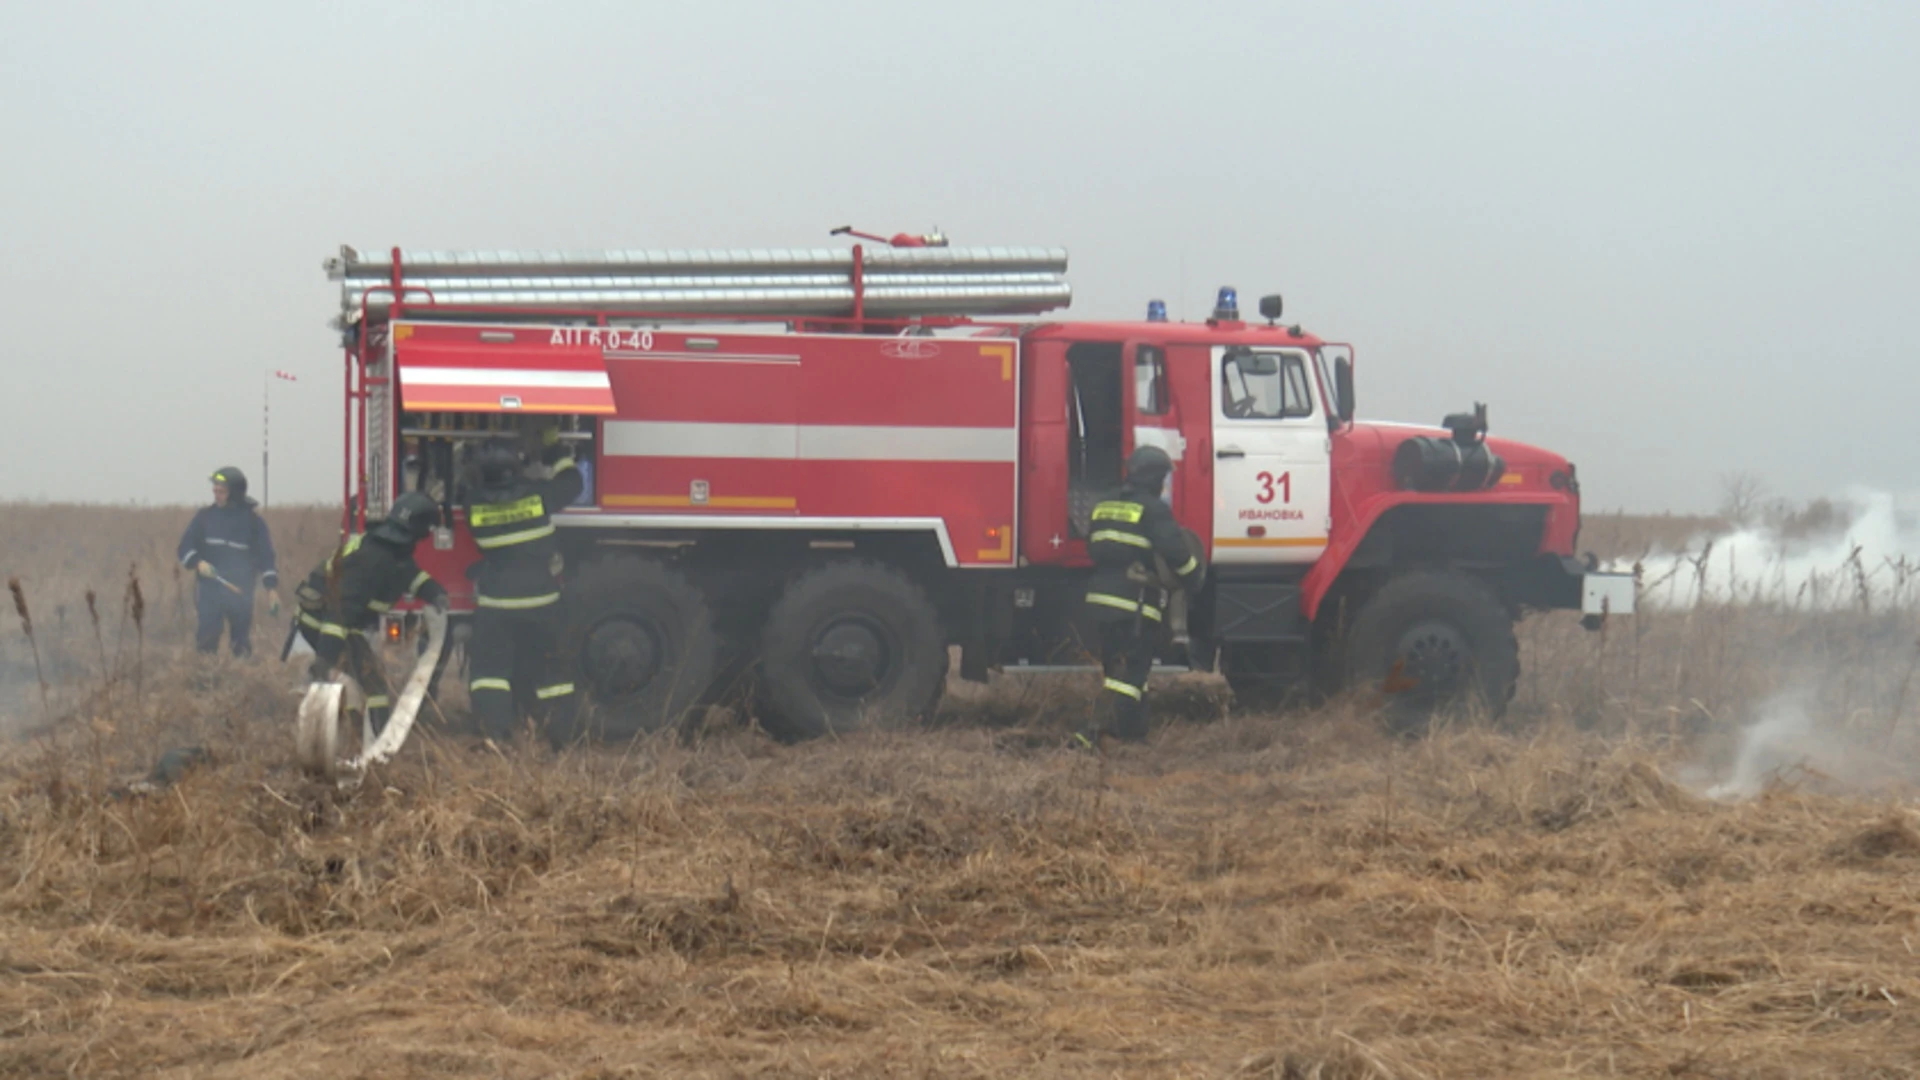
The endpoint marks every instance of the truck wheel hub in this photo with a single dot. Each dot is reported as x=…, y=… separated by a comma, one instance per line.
x=850, y=658
x=621, y=657
x=1435, y=655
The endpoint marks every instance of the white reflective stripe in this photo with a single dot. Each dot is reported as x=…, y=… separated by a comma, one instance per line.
x=1192, y=563
x=234, y=544
x=418, y=375
x=546, y=693
x=490, y=684
x=379, y=605
x=1130, y=539
x=647, y=438
x=507, y=539
x=418, y=580
x=809, y=442
x=1128, y=689
x=327, y=628
x=850, y=443
x=1124, y=604
x=516, y=603
x=378, y=701
x=191, y=558
x=587, y=518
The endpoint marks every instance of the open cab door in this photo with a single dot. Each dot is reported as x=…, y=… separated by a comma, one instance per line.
x=1154, y=418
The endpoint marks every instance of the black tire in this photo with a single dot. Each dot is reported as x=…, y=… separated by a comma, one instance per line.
x=1432, y=641
x=851, y=646
x=642, y=644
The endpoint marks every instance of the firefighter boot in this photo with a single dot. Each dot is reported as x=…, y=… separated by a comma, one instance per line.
x=1129, y=720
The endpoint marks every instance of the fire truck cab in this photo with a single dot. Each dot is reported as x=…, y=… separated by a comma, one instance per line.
x=815, y=475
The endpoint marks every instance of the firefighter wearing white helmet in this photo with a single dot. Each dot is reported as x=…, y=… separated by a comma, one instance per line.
x=1139, y=552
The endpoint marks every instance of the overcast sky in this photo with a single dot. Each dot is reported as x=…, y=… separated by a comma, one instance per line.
x=1671, y=241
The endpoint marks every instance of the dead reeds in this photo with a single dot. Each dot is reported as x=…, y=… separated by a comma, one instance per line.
x=33, y=643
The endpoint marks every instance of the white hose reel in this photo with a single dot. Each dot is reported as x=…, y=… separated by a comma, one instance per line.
x=327, y=705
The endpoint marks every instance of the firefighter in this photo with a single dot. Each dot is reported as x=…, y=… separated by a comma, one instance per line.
x=228, y=546
x=344, y=596
x=1139, y=554
x=516, y=624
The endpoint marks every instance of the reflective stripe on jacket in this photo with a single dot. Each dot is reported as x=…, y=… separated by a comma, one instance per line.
x=364, y=577
x=1128, y=530
x=513, y=528
x=235, y=540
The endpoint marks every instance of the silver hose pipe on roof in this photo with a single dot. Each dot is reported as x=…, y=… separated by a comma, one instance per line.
x=880, y=301
x=351, y=264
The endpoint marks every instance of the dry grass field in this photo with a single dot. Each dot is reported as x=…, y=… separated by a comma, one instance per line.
x=1297, y=895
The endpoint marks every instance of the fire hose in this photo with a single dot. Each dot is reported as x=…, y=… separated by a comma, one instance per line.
x=327, y=706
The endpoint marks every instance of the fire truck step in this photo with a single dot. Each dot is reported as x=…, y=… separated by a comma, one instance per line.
x=1060, y=669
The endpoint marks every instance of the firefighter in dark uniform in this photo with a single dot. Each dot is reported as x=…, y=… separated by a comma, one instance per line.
x=516, y=625
x=1138, y=552
x=345, y=595
x=228, y=546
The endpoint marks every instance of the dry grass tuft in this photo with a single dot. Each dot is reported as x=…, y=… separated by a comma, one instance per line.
x=1248, y=896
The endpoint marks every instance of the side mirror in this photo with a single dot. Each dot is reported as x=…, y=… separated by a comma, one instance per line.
x=1343, y=387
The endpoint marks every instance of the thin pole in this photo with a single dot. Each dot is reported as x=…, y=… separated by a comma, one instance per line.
x=266, y=437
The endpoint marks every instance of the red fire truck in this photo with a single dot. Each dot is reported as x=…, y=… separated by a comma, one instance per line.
x=815, y=472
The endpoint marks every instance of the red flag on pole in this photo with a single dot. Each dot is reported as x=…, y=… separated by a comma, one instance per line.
x=287, y=375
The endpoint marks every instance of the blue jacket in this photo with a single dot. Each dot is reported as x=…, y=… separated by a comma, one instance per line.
x=234, y=539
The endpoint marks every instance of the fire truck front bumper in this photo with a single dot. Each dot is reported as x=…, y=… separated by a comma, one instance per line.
x=1563, y=583
x=1600, y=592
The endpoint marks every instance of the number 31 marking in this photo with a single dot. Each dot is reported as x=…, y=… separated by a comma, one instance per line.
x=1268, y=482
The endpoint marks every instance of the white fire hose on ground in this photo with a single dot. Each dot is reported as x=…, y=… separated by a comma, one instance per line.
x=326, y=706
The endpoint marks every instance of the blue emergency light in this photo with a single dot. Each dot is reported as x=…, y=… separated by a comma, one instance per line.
x=1228, y=306
x=1156, y=311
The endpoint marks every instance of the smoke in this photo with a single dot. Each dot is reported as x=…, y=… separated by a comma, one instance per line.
x=1792, y=740
x=1781, y=738
x=1830, y=593
x=1859, y=550
x=19, y=696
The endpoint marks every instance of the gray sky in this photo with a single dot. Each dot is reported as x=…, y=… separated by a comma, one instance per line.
x=1670, y=241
